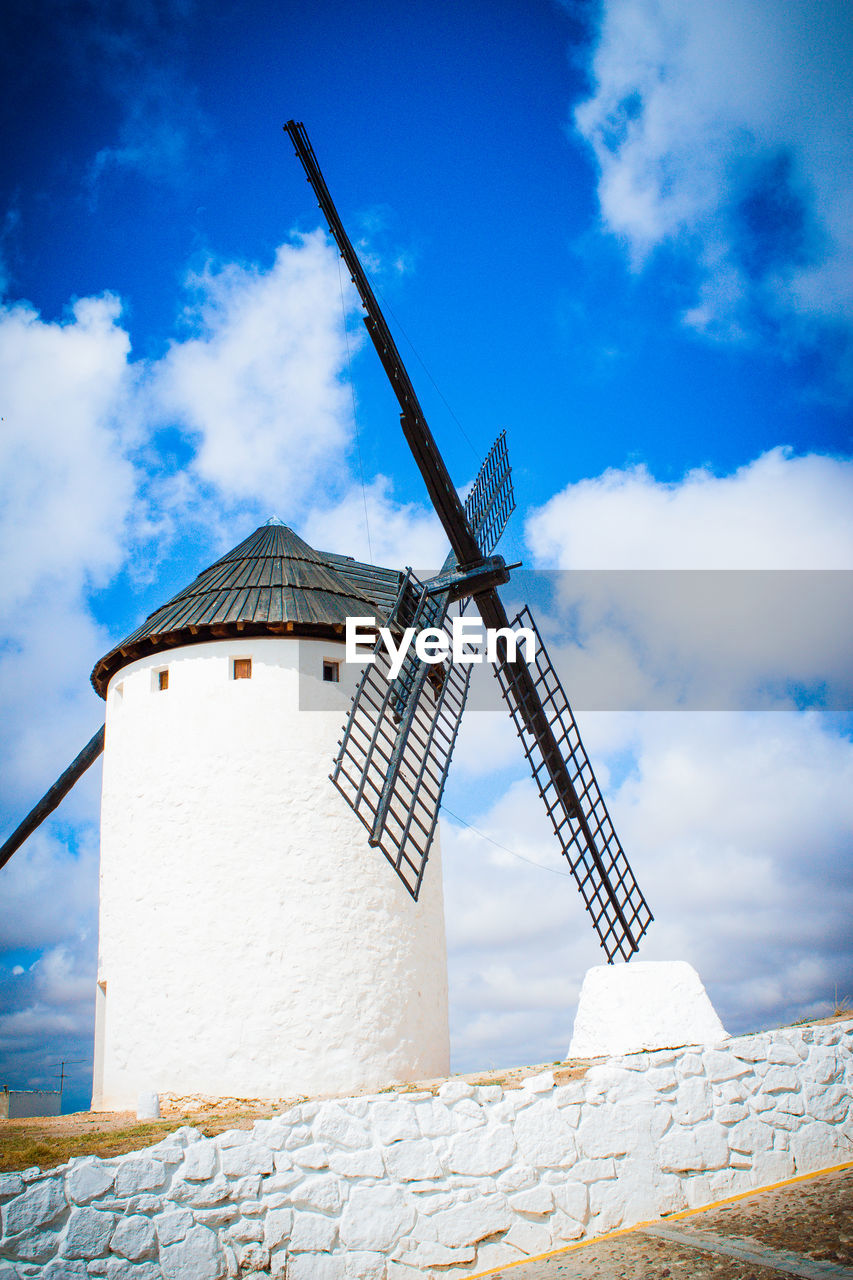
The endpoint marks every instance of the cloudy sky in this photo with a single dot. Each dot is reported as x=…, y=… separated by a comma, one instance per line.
x=620, y=230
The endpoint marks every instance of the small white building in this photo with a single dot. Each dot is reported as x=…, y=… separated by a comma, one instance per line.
x=252, y=943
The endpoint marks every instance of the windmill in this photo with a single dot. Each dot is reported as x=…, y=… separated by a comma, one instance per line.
x=212, y=778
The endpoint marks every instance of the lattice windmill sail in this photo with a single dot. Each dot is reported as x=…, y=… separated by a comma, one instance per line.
x=396, y=745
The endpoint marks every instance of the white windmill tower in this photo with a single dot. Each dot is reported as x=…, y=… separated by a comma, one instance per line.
x=251, y=941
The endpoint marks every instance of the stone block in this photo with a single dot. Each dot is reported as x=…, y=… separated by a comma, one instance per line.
x=299, y=1136
x=543, y=1082
x=789, y=1104
x=529, y=1237
x=334, y=1126
x=824, y=1065
x=223, y=1216
x=197, y=1257
x=199, y=1162
x=782, y=1053
x=361, y=1264
x=467, y=1114
x=88, y=1180
x=11, y=1184
x=723, y=1065
x=517, y=1177
x=593, y=1170
x=244, y=1230
x=830, y=1104
x=118, y=1269
x=771, y=1166
x=375, y=1218
x=411, y=1160
x=316, y=1266
x=253, y=1257
x=312, y=1233
x=466, y=1224
x=435, y=1118
x=321, y=1192
x=688, y=1150
x=358, y=1164
x=429, y=1253
x=134, y=1238
x=40, y=1203
x=34, y=1245
x=201, y=1195
x=544, y=1138
x=644, y=1005
x=62, y=1269
x=818, y=1145
x=394, y=1120
x=277, y=1227
x=730, y=1113
x=484, y=1150
x=314, y=1156
x=489, y=1093
x=749, y=1136
x=139, y=1174
x=780, y=1080
x=249, y=1158
x=88, y=1233
x=538, y=1199
x=271, y=1133
x=662, y=1079
x=497, y=1253
x=172, y=1227
x=572, y=1199
x=692, y=1102
x=454, y=1091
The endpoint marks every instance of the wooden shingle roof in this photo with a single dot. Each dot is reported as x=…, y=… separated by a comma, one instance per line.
x=272, y=583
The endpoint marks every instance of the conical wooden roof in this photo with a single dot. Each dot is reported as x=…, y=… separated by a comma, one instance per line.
x=272, y=583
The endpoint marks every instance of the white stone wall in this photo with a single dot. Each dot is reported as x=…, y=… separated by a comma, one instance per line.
x=252, y=943
x=403, y=1186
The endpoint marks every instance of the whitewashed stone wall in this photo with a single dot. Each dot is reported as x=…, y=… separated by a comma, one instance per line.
x=402, y=1186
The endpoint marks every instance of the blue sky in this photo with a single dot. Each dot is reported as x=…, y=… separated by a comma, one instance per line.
x=615, y=229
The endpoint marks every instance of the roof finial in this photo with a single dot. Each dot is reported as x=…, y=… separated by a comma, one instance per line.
x=273, y=520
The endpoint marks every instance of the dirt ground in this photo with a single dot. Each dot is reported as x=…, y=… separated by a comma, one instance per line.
x=800, y=1228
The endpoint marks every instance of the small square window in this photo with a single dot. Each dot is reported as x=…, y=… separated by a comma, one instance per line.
x=242, y=668
x=331, y=671
x=163, y=679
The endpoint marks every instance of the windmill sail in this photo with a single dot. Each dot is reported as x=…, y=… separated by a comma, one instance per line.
x=536, y=700
x=396, y=747
x=491, y=501
x=619, y=912
x=392, y=720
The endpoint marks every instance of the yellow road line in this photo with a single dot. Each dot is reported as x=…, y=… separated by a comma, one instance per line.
x=669, y=1217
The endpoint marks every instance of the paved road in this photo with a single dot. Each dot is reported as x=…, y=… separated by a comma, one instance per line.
x=801, y=1229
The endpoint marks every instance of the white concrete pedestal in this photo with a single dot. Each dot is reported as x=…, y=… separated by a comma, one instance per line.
x=626, y=1008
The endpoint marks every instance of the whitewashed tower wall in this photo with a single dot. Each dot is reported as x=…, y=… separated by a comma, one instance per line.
x=252, y=943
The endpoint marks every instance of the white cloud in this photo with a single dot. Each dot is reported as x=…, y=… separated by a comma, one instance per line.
x=776, y=512
x=707, y=635
x=400, y=533
x=724, y=129
x=261, y=388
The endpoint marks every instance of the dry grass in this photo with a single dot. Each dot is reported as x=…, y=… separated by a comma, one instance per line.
x=48, y=1141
